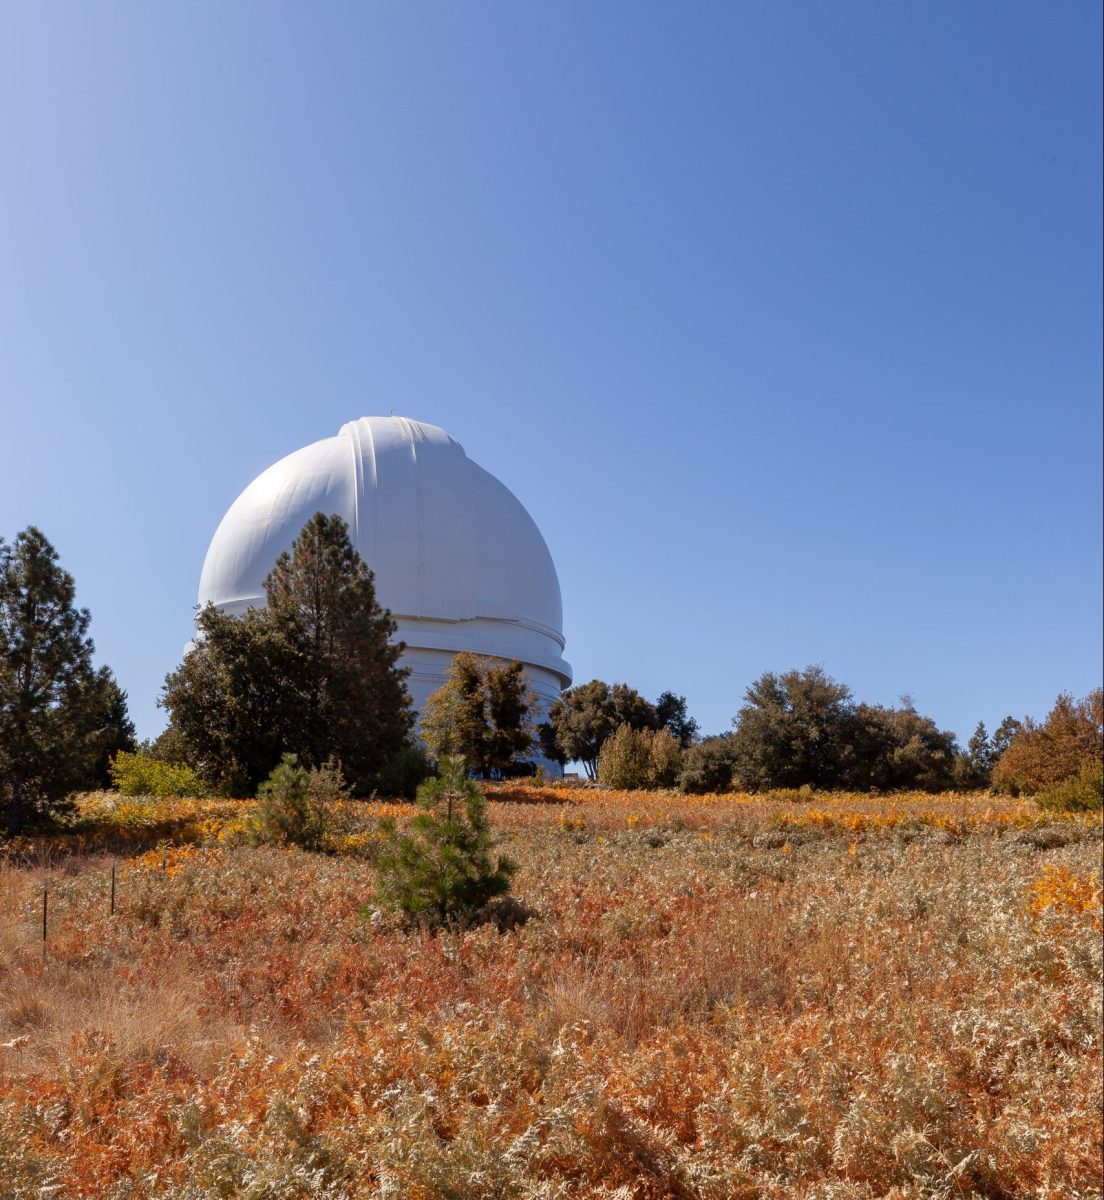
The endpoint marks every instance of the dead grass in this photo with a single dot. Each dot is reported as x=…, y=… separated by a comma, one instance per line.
x=719, y=997
x=52, y=1002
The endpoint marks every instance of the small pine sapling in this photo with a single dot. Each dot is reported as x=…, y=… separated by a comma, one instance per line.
x=293, y=802
x=442, y=868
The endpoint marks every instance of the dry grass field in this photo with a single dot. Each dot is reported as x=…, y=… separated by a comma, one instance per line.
x=717, y=997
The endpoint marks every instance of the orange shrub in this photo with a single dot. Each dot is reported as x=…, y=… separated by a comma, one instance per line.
x=1042, y=755
x=1060, y=890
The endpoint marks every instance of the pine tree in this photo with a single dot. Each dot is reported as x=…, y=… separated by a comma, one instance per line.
x=510, y=705
x=314, y=673
x=1002, y=737
x=454, y=721
x=293, y=804
x=54, y=707
x=979, y=754
x=236, y=703
x=357, y=706
x=979, y=748
x=116, y=729
x=443, y=868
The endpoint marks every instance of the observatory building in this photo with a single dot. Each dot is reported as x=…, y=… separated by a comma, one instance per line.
x=457, y=559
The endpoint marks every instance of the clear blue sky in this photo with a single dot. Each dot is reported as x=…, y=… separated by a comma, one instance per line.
x=783, y=320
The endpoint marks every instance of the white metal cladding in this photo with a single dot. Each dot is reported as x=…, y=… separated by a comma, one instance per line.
x=457, y=559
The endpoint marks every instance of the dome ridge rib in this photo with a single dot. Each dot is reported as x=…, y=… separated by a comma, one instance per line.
x=358, y=481
x=413, y=433
x=362, y=444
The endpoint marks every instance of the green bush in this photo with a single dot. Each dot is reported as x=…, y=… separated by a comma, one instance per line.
x=292, y=803
x=1083, y=792
x=144, y=775
x=442, y=868
x=639, y=758
x=707, y=767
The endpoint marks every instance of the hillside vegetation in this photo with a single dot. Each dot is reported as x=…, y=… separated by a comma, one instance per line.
x=782, y=995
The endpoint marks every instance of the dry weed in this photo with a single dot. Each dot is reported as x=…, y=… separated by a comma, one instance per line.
x=722, y=997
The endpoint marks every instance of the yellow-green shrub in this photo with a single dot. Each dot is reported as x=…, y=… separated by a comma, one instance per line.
x=141, y=775
x=639, y=758
x=1083, y=792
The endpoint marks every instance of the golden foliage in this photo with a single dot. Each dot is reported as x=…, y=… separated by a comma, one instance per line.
x=171, y=860
x=1061, y=891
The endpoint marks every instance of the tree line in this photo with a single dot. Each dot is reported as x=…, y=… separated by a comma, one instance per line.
x=797, y=729
x=801, y=729
x=315, y=674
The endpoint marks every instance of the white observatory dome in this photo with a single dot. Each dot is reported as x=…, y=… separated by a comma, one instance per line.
x=457, y=559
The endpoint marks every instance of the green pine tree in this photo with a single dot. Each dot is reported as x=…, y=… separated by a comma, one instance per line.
x=442, y=868
x=56, y=710
x=116, y=729
x=357, y=706
x=235, y=702
x=293, y=803
x=314, y=673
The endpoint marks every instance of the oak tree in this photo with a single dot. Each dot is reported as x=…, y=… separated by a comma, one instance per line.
x=584, y=717
x=483, y=713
